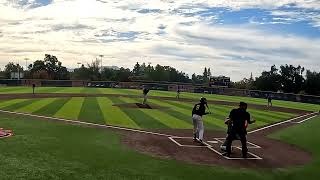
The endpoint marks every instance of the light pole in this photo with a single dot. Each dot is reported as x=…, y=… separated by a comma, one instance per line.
x=101, y=56
x=18, y=65
x=26, y=59
x=78, y=64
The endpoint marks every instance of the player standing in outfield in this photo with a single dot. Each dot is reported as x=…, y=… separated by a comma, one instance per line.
x=198, y=111
x=178, y=92
x=33, y=88
x=239, y=119
x=269, y=100
x=145, y=92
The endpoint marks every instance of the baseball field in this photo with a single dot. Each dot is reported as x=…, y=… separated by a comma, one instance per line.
x=104, y=133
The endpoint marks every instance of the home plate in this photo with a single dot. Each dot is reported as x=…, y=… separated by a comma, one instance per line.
x=213, y=142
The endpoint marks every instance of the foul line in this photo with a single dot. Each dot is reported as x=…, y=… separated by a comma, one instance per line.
x=251, y=145
x=282, y=122
x=87, y=123
x=305, y=119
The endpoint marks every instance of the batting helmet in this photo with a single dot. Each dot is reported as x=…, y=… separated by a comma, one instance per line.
x=203, y=100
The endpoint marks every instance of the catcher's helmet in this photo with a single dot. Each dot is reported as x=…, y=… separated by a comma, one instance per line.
x=203, y=100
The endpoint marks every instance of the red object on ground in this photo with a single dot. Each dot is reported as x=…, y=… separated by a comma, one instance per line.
x=5, y=133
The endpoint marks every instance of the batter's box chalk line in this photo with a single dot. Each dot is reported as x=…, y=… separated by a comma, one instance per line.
x=173, y=139
x=250, y=145
x=210, y=147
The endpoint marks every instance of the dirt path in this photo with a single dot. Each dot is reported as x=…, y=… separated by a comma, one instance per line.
x=274, y=153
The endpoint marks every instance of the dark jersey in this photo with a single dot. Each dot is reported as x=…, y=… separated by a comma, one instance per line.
x=199, y=109
x=145, y=91
x=239, y=118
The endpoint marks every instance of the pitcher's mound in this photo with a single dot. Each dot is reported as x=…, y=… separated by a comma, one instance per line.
x=139, y=105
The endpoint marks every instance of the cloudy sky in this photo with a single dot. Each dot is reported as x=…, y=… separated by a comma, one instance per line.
x=233, y=37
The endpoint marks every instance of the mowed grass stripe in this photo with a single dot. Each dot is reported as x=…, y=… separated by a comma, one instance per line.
x=184, y=113
x=142, y=119
x=109, y=91
x=262, y=119
x=14, y=107
x=52, y=108
x=276, y=115
x=10, y=102
x=90, y=90
x=34, y=106
x=48, y=89
x=113, y=115
x=90, y=111
x=8, y=89
x=168, y=120
x=20, y=90
x=130, y=91
x=70, y=90
x=210, y=121
x=225, y=110
x=71, y=109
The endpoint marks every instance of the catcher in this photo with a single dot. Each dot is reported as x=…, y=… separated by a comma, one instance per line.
x=237, y=129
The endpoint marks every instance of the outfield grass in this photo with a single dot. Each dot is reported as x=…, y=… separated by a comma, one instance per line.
x=100, y=110
x=52, y=150
x=294, y=105
x=306, y=136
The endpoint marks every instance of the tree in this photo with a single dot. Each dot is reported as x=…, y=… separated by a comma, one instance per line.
x=81, y=73
x=205, y=74
x=269, y=80
x=244, y=84
x=11, y=67
x=292, y=80
x=209, y=73
x=136, y=69
x=108, y=74
x=123, y=74
x=197, y=79
x=50, y=66
x=312, y=83
x=94, y=70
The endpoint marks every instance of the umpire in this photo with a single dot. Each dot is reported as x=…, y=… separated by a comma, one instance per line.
x=240, y=119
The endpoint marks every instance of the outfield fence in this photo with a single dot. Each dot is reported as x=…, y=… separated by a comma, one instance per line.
x=164, y=86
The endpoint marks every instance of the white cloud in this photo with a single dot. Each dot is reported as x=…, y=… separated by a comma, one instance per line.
x=79, y=30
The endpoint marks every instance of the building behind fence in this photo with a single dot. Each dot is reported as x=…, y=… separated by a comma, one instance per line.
x=164, y=86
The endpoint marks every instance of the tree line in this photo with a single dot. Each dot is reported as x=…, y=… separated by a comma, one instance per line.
x=288, y=78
